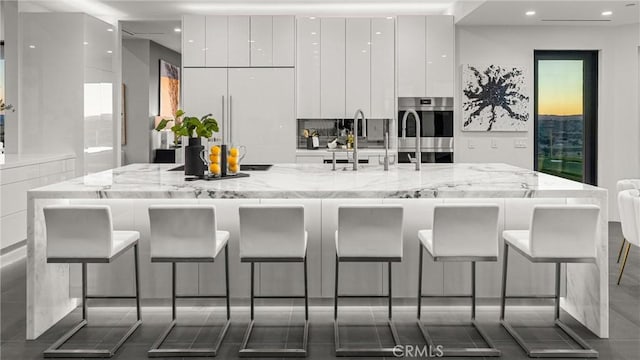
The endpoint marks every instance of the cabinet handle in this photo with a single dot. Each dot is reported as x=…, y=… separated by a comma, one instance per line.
x=223, y=118
x=230, y=121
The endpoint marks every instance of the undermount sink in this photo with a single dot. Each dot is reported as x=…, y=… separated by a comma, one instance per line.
x=243, y=167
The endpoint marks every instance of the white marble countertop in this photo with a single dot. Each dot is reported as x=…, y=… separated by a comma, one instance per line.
x=17, y=160
x=318, y=181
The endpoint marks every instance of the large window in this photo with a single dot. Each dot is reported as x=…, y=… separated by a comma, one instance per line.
x=566, y=87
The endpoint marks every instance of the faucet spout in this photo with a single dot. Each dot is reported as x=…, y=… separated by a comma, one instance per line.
x=416, y=118
x=358, y=115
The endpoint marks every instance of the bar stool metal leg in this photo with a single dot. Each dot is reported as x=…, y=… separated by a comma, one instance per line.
x=54, y=350
x=156, y=351
x=245, y=351
x=624, y=261
x=585, y=352
x=489, y=351
x=365, y=351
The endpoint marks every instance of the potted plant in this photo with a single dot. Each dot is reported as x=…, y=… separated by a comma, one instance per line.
x=196, y=129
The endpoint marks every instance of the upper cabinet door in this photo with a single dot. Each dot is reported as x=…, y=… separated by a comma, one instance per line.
x=283, y=40
x=308, y=68
x=332, y=68
x=261, y=41
x=193, y=40
x=358, y=66
x=238, y=31
x=382, y=68
x=411, y=56
x=440, y=56
x=216, y=40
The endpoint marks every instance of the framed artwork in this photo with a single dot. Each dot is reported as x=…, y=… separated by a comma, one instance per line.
x=169, y=89
x=494, y=98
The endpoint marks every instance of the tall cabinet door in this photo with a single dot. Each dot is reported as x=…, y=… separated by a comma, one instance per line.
x=440, y=35
x=382, y=68
x=216, y=40
x=308, y=68
x=284, y=35
x=358, y=66
x=204, y=91
x=332, y=68
x=411, y=56
x=262, y=113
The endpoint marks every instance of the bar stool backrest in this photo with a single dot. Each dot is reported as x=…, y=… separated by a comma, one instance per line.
x=78, y=231
x=272, y=231
x=465, y=230
x=182, y=231
x=564, y=231
x=370, y=230
x=628, y=184
x=629, y=207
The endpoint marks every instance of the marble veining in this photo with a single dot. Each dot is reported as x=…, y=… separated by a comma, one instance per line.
x=318, y=181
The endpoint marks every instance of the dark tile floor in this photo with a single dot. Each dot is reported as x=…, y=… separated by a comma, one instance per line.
x=624, y=342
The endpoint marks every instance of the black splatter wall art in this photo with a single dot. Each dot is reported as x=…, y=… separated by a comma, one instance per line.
x=494, y=98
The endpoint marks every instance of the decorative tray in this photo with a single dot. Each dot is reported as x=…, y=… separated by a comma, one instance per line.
x=214, y=178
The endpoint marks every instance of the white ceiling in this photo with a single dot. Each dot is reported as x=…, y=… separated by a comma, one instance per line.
x=551, y=12
x=160, y=31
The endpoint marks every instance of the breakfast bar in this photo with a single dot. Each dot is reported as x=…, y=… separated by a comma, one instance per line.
x=53, y=289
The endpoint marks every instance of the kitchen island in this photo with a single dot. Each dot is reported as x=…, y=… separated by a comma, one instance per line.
x=53, y=289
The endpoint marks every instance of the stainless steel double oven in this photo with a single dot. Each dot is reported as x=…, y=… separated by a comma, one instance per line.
x=436, y=129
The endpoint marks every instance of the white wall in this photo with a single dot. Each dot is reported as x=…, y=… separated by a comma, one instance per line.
x=140, y=74
x=619, y=130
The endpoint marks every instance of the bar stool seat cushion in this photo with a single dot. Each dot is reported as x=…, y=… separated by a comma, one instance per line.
x=122, y=240
x=518, y=239
x=426, y=238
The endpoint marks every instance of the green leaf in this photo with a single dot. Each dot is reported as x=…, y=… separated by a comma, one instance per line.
x=179, y=113
x=163, y=124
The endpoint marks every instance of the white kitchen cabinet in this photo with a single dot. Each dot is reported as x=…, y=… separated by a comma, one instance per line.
x=382, y=68
x=261, y=40
x=358, y=66
x=193, y=40
x=425, y=56
x=411, y=56
x=440, y=33
x=284, y=35
x=262, y=113
x=238, y=47
x=204, y=91
x=308, y=68
x=216, y=41
x=332, y=68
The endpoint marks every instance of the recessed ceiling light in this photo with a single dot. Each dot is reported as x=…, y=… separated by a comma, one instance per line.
x=315, y=43
x=190, y=41
x=364, y=51
x=444, y=55
x=530, y=13
x=389, y=17
x=313, y=33
x=85, y=43
x=177, y=30
x=109, y=52
x=312, y=18
x=607, y=13
x=32, y=46
x=110, y=30
x=378, y=32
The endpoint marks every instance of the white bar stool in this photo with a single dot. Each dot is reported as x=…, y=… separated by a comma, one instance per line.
x=187, y=234
x=461, y=232
x=273, y=234
x=84, y=234
x=622, y=185
x=368, y=233
x=558, y=234
x=629, y=208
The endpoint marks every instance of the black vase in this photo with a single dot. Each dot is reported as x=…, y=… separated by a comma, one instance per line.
x=193, y=164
